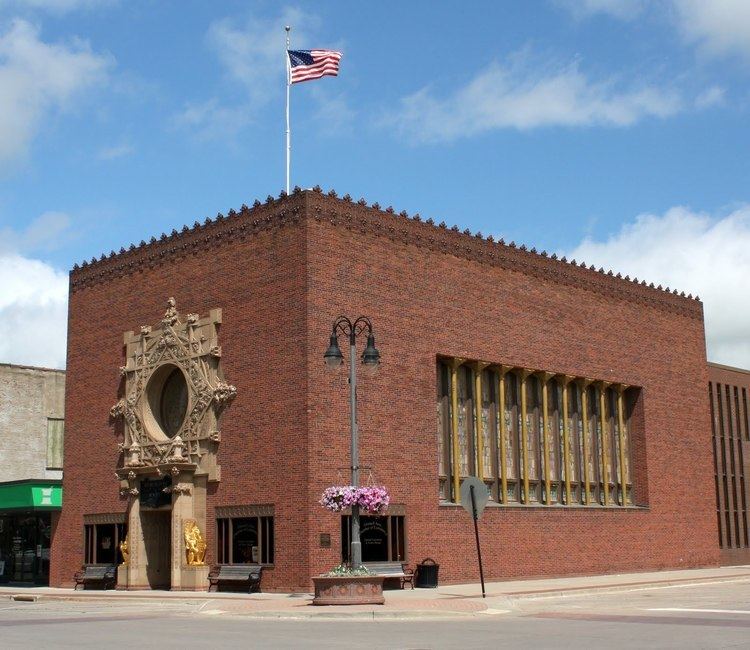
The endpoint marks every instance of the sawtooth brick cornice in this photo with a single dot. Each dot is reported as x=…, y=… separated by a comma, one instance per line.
x=374, y=221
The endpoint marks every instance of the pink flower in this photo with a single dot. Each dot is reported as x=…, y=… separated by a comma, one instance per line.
x=338, y=497
x=373, y=499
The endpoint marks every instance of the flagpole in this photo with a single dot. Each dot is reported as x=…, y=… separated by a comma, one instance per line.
x=288, y=86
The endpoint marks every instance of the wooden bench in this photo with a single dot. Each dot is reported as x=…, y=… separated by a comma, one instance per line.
x=235, y=575
x=397, y=570
x=97, y=576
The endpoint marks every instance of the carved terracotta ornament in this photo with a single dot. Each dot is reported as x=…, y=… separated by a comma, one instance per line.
x=174, y=392
x=178, y=451
x=224, y=394
x=195, y=546
x=369, y=220
x=170, y=316
x=118, y=410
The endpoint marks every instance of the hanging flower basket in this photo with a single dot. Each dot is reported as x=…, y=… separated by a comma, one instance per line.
x=373, y=499
x=338, y=497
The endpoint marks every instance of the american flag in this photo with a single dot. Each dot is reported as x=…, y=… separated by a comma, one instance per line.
x=312, y=64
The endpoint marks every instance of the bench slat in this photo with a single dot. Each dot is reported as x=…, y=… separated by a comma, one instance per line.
x=106, y=574
x=236, y=573
x=391, y=570
x=386, y=568
x=98, y=572
x=229, y=572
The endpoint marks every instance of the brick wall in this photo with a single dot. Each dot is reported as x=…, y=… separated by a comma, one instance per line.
x=258, y=280
x=425, y=303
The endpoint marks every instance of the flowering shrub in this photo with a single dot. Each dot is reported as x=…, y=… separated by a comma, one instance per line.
x=373, y=499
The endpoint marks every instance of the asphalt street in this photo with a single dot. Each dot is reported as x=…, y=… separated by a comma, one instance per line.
x=686, y=616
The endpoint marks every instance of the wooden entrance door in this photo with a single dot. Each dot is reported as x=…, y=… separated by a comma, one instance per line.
x=157, y=539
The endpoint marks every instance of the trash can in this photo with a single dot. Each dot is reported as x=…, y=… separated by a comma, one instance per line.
x=427, y=574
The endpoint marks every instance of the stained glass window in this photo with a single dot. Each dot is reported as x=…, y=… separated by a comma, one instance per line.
x=489, y=437
x=592, y=427
x=443, y=429
x=465, y=421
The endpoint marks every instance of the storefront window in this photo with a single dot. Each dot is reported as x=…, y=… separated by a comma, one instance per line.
x=102, y=543
x=24, y=548
x=383, y=538
x=245, y=540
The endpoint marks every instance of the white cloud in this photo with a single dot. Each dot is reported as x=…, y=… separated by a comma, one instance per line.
x=718, y=27
x=694, y=252
x=210, y=119
x=622, y=9
x=37, y=79
x=47, y=232
x=252, y=55
x=34, y=296
x=710, y=97
x=116, y=151
x=333, y=114
x=33, y=311
x=520, y=96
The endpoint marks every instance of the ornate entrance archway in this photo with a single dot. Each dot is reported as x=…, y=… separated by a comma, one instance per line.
x=173, y=399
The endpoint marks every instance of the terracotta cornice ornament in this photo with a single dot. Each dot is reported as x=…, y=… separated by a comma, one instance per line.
x=374, y=221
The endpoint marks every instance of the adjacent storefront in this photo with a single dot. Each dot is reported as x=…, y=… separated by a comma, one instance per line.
x=26, y=511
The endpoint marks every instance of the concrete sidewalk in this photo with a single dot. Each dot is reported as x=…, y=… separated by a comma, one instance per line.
x=445, y=601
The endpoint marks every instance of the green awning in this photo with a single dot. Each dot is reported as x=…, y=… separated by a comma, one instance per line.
x=31, y=495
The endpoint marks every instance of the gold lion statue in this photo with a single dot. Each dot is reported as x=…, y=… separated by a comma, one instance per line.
x=125, y=552
x=195, y=545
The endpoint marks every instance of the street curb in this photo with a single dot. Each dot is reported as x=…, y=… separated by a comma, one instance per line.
x=635, y=586
x=354, y=616
x=496, y=605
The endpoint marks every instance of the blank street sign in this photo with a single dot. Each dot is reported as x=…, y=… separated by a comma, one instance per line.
x=481, y=495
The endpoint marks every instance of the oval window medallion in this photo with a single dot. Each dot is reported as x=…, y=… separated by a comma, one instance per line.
x=173, y=403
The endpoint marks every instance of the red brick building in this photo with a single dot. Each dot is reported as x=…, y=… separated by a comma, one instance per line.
x=593, y=431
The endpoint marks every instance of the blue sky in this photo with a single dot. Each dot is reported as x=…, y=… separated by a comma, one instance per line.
x=614, y=130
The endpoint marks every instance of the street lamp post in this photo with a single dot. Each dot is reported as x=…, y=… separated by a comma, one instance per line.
x=334, y=358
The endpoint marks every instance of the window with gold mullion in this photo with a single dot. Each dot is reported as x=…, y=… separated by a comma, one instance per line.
x=490, y=455
x=594, y=445
x=534, y=439
x=466, y=438
x=444, y=431
x=575, y=433
x=556, y=441
x=512, y=415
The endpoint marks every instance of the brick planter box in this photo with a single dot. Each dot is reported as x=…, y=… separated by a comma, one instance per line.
x=348, y=590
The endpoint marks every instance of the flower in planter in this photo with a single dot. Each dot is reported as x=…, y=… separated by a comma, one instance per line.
x=343, y=570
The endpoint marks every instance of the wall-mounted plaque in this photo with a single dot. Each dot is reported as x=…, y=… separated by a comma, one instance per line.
x=325, y=540
x=153, y=494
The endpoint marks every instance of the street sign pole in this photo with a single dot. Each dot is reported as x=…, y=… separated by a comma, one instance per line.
x=474, y=498
x=475, y=516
